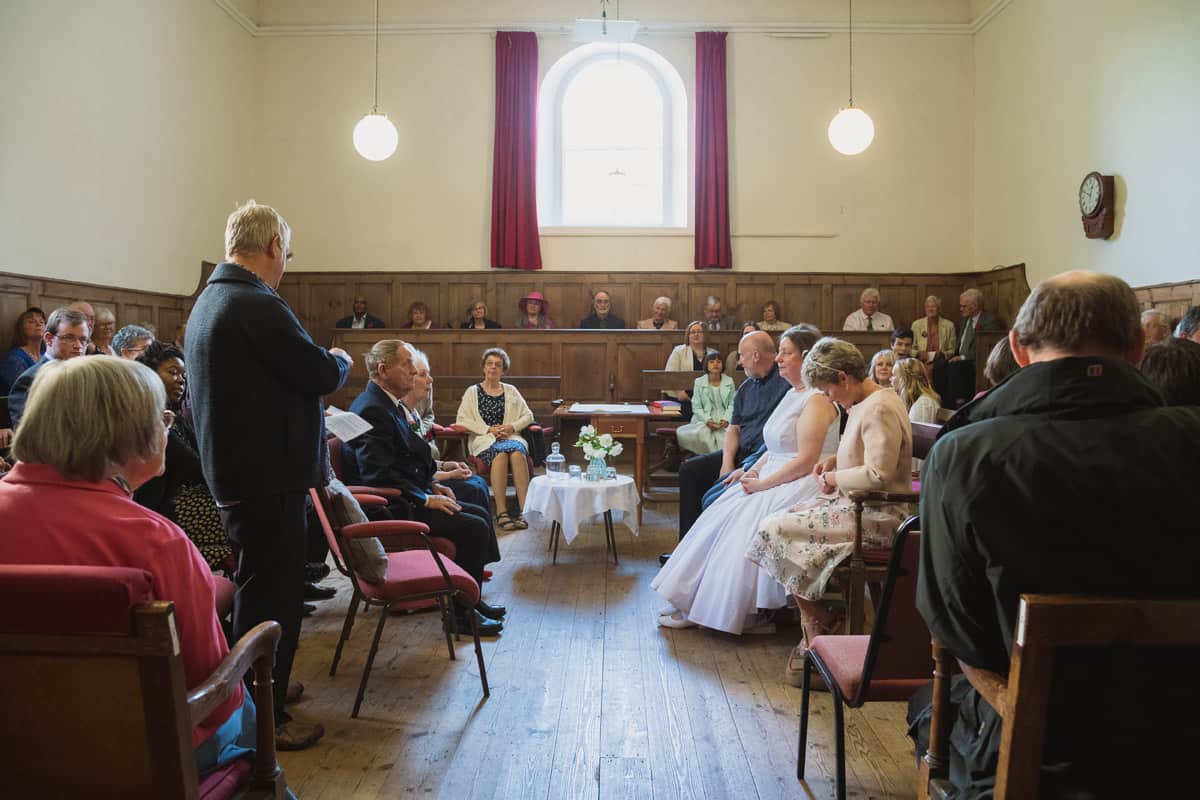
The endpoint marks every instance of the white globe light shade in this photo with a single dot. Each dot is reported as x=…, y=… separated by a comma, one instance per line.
x=375, y=137
x=851, y=131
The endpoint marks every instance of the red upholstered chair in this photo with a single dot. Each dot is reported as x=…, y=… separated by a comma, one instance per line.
x=95, y=702
x=889, y=664
x=418, y=573
x=477, y=464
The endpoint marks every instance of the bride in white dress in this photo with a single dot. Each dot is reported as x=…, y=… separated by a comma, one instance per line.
x=708, y=579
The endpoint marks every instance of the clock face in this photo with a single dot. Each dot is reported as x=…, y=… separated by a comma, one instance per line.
x=1089, y=194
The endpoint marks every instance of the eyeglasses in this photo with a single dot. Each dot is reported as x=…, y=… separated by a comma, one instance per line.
x=71, y=338
x=168, y=419
x=137, y=350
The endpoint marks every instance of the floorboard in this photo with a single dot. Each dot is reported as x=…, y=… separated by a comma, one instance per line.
x=590, y=698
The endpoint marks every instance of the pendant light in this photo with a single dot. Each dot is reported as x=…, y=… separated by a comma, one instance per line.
x=375, y=137
x=851, y=131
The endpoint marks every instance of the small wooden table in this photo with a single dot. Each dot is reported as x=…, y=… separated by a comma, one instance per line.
x=627, y=426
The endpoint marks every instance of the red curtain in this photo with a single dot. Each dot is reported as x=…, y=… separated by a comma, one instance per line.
x=515, y=242
x=713, y=245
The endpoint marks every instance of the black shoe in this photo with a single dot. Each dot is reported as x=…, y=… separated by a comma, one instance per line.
x=663, y=559
x=487, y=627
x=309, y=608
x=314, y=592
x=491, y=612
x=315, y=572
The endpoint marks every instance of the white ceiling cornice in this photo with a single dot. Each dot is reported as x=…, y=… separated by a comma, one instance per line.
x=781, y=29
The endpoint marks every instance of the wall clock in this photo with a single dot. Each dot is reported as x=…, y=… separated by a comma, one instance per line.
x=1097, y=205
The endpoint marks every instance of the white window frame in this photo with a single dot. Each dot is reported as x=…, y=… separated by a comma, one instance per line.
x=550, y=146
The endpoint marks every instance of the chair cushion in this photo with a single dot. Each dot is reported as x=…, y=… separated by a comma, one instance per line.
x=876, y=555
x=70, y=599
x=843, y=658
x=225, y=591
x=414, y=572
x=221, y=784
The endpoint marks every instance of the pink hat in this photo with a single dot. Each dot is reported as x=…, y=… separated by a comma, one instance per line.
x=541, y=298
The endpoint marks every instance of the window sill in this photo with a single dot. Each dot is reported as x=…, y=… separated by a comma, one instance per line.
x=628, y=233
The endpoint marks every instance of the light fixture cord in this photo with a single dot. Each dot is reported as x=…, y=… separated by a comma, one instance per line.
x=375, y=107
x=851, y=53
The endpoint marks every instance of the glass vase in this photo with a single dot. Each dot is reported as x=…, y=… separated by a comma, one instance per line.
x=595, y=470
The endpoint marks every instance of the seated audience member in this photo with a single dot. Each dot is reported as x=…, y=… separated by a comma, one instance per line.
x=994, y=526
x=68, y=501
x=477, y=317
x=418, y=317
x=1189, y=326
x=392, y=454
x=89, y=313
x=772, y=318
x=802, y=546
x=933, y=334
x=902, y=343
x=180, y=493
x=753, y=403
x=180, y=333
x=960, y=377
x=712, y=405
x=535, y=312
x=494, y=414
x=881, y=368
x=360, y=318
x=868, y=317
x=714, y=320
x=66, y=337
x=660, y=316
x=1173, y=367
x=102, y=336
x=602, y=316
x=911, y=382
x=733, y=362
x=131, y=341
x=27, y=345
x=688, y=357
x=1156, y=326
x=1000, y=364
x=708, y=580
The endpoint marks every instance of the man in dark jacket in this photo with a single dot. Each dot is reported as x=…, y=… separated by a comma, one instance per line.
x=1068, y=477
x=393, y=454
x=360, y=318
x=256, y=381
x=602, y=316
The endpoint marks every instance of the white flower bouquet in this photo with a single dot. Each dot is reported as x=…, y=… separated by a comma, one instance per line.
x=602, y=446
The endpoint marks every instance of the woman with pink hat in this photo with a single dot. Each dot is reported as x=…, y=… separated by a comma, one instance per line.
x=535, y=311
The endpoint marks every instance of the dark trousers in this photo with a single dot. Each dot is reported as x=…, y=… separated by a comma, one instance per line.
x=696, y=476
x=474, y=490
x=960, y=383
x=272, y=535
x=470, y=529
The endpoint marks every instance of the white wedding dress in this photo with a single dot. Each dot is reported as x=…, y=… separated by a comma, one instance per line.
x=708, y=577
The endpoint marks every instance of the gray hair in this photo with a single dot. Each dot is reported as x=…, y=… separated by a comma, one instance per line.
x=104, y=312
x=829, y=357
x=870, y=291
x=711, y=300
x=937, y=300
x=65, y=315
x=129, y=336
x=1081, y=311
x=802, y=336
x=420, y=360
x=251, y=228
x=499, y=353
x=664, y=299
x=974, y=295
x=382, y=353
x=127, y=399
x=1189, y=324
x=1000, y=363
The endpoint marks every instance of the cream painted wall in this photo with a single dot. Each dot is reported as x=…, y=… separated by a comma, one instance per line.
x=904, y=205
x=125, y=138
x=1071, y=86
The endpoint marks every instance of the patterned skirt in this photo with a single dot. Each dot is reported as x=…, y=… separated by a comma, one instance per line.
x=502, y=446
x=801, y=547
x=197, y=514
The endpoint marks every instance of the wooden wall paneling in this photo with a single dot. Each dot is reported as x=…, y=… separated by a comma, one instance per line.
x=633, y=357
x=801, y=303
x=586, y=367
x=168, y=322
x=457, y=295
x=534, y=357
x=901, y=299
x=844, y=301
x=868, y=342
x=507, y=293
x=466, y=353
x=405, y=292
x=292, y=292
x=15, y=297
x=622, y=291
x=569, y=298
x=378, y=294
x=698, y=292
x=326, y=299
x=137, y=314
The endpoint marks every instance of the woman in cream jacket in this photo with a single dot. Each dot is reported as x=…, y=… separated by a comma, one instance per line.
x=494, y=413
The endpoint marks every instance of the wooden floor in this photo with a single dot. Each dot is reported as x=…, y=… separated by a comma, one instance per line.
x=590, y=698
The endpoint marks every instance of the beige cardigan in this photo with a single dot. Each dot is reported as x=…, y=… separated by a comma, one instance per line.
x=516, y=413
x=875, y=453
x=947, y=338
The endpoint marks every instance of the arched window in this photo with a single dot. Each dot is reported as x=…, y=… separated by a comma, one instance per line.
x=612, y=140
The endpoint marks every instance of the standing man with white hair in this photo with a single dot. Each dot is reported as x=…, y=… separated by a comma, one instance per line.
x=1156, y=326
x=868, y=317
x=256, y=381
x=974, y=319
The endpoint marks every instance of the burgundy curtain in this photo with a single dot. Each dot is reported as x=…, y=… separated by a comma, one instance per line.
x=713, y=247
x=515, y=241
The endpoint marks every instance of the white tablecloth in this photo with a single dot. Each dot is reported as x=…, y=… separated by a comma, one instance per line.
x=574, y=501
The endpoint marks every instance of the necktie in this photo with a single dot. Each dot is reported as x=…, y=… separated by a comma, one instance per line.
x=870, y=326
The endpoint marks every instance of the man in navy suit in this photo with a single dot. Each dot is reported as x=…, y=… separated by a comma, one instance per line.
x=360, y=318
x=256, y=381
x=393, y=454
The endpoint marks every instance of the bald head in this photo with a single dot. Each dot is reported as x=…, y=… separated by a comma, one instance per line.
x=757, y=352
x=1078, y=313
